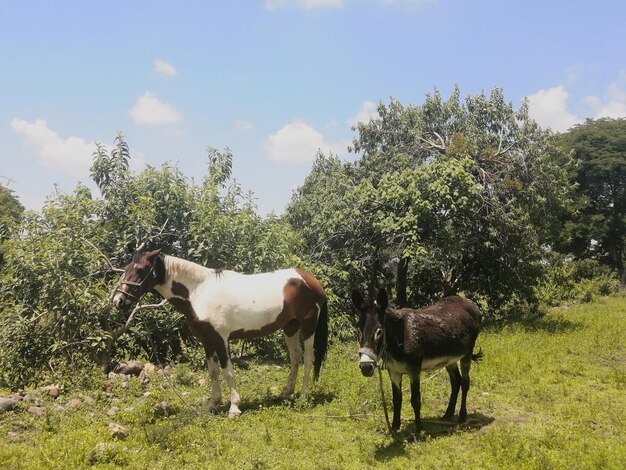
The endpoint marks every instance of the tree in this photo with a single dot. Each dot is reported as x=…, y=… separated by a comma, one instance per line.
x=10, y=213
x=596, y=228
x=456, y=195
x=58, y=277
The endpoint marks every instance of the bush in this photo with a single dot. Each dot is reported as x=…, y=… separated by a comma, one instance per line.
x=566, y=279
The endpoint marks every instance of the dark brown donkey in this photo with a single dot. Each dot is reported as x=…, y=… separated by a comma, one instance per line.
x=413, y=341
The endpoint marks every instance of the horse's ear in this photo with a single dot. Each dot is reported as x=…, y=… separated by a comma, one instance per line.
x=357, y=299
x=152, y=254
x=382, y=301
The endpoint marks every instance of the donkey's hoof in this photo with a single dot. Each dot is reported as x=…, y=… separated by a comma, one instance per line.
x=448, y=417
x=234, y=413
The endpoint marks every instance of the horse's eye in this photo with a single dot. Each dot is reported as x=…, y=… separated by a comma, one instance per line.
x=378, y=334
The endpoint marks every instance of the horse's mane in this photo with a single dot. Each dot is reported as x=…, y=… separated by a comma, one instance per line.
x=175, y=266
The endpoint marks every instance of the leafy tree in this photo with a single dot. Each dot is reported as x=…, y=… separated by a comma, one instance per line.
x=10, y=213
x=58, y=278
x=457, y=195
x=597, y=226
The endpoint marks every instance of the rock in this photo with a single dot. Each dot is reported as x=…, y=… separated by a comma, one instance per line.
x=37, y=410
x=108, y=387
x=149, y=368
x=117, y=431
x=53, y=390
x=164, y=409
x=113, y=411
x=89, y=400
x=73, y=402
x=129, y=368
x=7, y=404
x=201, y=381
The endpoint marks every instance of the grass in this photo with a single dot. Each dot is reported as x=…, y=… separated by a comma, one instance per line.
x=546, y=395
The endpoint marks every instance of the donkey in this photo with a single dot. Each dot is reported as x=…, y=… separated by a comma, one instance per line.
x=220, y=305
x=412, y=341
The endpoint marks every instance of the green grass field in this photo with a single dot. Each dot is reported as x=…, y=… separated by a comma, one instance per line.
x=550, y=395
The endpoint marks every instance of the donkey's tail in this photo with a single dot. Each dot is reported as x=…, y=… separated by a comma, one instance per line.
x=320, y=342
x=478, y=356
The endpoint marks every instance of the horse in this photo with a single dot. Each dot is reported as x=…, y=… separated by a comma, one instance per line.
x=220, y=305
x=412, y=341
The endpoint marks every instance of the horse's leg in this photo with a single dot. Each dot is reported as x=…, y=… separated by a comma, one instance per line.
x=228, y=372
x=416, y=401
x=308, y=363
x=466, y=363
x=295, y=356
x=455, y=386
x=396, y=393
x=216, y=389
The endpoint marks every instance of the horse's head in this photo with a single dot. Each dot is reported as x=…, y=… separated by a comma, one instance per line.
x=140, y=276
x=370, y=328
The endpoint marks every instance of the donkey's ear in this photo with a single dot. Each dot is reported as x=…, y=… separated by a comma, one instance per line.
x=357, y=299
x=382, y=301
x=130, y=247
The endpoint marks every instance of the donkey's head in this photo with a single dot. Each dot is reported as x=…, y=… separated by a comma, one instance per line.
x=370, y=327
x=145, y=270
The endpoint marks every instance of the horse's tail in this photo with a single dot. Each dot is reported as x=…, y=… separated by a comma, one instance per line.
x=320, y=342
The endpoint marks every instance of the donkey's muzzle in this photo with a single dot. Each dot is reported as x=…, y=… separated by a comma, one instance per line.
x=367, y=368
x=367, y=361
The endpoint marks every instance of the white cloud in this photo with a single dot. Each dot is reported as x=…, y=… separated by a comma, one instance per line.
x=164, y=68
x=272, y=5
x=297, y=142
x=243, y=125
x=368, y=110
x=149, y=109
x=549, y=108
x=614, y=107
x=70, y=155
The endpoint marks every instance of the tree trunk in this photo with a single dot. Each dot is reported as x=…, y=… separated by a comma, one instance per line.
x=401, y=281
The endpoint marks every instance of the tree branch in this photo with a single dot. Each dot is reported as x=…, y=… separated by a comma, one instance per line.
x=123, y=329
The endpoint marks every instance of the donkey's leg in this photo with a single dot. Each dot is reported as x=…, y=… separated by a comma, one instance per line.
x=455, y=386
x=416, y=398
x=308, y=363
x=216, y=389
x=295, y=356
x=466, y=362
x=396, y=394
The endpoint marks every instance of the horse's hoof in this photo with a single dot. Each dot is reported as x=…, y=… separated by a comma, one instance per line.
x=213, y=406
x=232, y=414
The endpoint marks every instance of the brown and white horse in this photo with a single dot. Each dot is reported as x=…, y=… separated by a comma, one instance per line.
x=220, y=305
x=419, y=340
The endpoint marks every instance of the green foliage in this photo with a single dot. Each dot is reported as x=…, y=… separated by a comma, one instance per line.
x=566, y=279
x=596, y=226
x=450, y=196
x=57, y=280
x=10, y=213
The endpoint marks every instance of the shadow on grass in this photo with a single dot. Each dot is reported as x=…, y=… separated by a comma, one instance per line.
x=536, y=323
x=432, y=428
x=314, y=398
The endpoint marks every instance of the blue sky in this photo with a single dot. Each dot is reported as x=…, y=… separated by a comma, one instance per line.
x=275, y=80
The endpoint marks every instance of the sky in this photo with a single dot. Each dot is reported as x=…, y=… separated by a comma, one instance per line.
x=277, y=80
